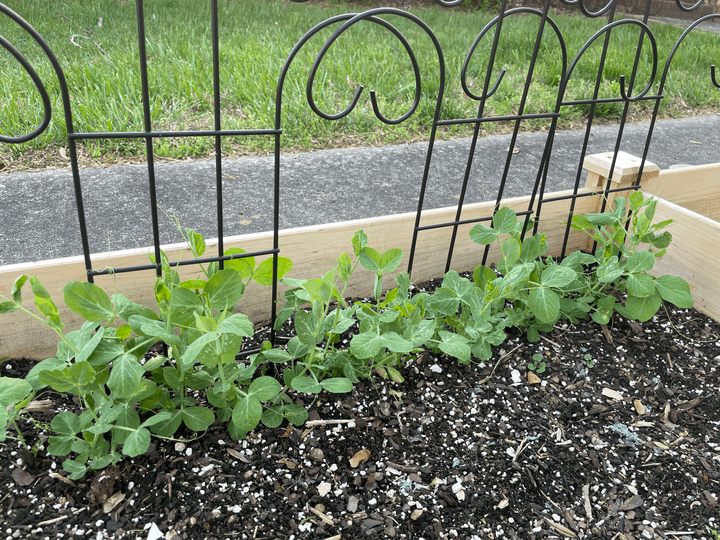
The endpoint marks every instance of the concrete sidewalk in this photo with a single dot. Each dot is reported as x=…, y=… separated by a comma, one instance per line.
x=39, y=220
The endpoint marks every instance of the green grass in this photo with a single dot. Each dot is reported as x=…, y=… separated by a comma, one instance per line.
x=256, y=37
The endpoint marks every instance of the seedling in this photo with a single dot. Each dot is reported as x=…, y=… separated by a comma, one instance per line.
x=588, y=361
x=538, y=364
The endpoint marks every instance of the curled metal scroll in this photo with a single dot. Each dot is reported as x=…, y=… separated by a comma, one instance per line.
x=47, y=109
x=683, y=7
x=481, y=35
x=370, y=16
x=449, y=3
x=675, y=48
x=599, y=33
x=585, y=11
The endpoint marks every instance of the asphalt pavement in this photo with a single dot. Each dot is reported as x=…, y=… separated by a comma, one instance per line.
x=39, y=221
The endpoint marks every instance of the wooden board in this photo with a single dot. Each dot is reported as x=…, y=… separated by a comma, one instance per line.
x=693, y=254
x=694, y=188
x=313, y=250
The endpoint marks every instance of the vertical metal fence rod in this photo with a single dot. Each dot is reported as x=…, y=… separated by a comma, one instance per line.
x=147, y=123
x=218, y=138
x=476, y=130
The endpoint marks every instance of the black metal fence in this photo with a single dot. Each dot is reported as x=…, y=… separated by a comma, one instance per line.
x=491, y=32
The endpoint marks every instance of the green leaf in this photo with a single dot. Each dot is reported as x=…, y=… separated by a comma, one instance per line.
x=643, y=308
x=370, y=259
x=7, y=307
x=483, y=275
x=193, y=284
x=264, y=388
x=395, y=343
x=640, y=285
x=599, y=220
x=455, y=345
x=544, y=304
x=505, y=220
x=675, y=290
x=337, y=385
x=49, y=364
x=184, y=304
x=246, y=413
x=125, y=376
x=45, y=304
x=77, y=470
x=238, y=324
x=557, y=276
x=344, y=267
x=196, y=241
x=276, y=356
x=244, y=266
x=66, y=423
x=197, y=418
x=298, y=349
x=88, y=300
x=395, y=375
x=264, y=273
x=359, y=241
x=390, y=260
x=642, y=261
x=511, y=250
x=169, y=424
x=16, y=291
x=366, y=345
x=224, y=289
x=136, y=443
x=483, y=235
x=272, y=417
x=636, y=199
x=306, y=385
x=296, y=414
x=305, y=327
x=13, y=391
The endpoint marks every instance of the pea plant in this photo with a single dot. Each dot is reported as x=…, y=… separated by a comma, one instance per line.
x=127, y=395
x=388, y=329
x=123, y=398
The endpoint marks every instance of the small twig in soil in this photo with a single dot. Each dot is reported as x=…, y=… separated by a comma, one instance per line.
x=313, y=423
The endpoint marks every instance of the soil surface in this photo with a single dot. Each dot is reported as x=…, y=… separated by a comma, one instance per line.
x=626, y=449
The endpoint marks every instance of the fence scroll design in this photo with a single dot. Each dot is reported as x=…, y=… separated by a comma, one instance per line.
x=488, y=38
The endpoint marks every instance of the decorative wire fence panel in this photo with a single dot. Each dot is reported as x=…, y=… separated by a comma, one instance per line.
x=482, y=80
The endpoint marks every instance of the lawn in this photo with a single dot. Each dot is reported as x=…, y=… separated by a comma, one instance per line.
x=96, y=44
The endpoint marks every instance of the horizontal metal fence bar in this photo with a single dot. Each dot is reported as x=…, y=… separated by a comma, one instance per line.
x=607, y=100
x=109, y=271
x=465, y=221
x=590, y=193
x=143, y=134
x=497, y=118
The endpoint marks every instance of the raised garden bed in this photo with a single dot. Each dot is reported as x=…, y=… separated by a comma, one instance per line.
x=618, y=435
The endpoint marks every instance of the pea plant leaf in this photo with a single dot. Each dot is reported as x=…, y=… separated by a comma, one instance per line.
x=675, y=290
x=247, y=413
x=483, y=235
x=337, y=385
x=224, y=289
x=544, y=304
x=125, y=376
x=13, y=391
x=505, y=220
x=264, y=272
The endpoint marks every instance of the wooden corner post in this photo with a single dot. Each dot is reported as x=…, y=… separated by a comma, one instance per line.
x=624, y=174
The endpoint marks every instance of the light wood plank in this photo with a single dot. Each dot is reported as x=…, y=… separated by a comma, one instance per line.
x=313, y=251
x=693, y=254
x=694, y=188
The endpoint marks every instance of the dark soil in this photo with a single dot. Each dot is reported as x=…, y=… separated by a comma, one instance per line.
x=627, y=449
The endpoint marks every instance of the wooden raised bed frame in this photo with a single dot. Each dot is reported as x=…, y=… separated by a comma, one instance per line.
x=690, y=196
